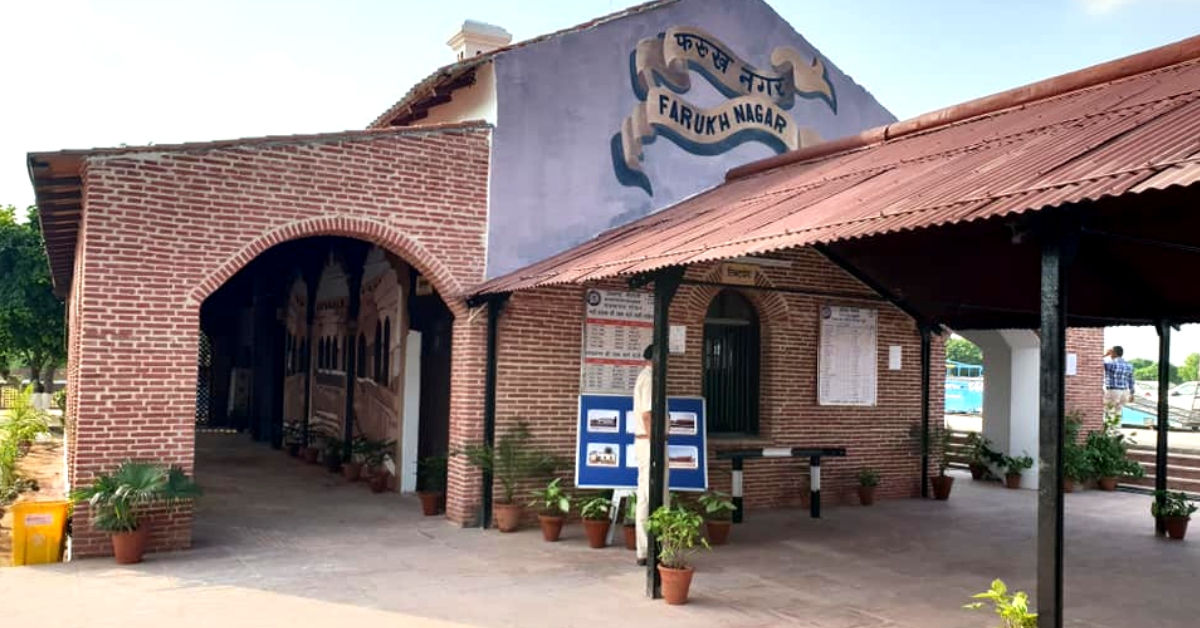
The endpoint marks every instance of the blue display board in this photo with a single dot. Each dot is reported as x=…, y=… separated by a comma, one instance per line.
x=604, y=450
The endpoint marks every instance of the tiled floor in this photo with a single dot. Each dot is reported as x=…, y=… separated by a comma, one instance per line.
x=280, y=543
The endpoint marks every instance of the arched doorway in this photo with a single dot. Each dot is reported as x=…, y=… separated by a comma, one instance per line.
x=732, y=364
x=318, y=342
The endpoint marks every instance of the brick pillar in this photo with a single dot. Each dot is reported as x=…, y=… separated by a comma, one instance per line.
x=467, y=370
x=135, y=397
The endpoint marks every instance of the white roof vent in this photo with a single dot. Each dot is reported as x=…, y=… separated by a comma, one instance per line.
x=477, y=38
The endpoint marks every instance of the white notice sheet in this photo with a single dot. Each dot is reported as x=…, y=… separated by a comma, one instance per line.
x=846, y=361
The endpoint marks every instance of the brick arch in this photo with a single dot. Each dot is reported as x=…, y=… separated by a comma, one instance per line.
x=772, y=308
x=372, y=231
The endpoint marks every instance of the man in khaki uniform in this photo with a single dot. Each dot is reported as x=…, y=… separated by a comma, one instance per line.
x=643, y=399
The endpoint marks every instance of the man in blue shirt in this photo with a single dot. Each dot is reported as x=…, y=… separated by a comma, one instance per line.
x=1118, y=382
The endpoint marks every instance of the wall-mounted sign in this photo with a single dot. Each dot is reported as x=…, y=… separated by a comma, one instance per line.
x=423, y=287
x=605, y=455
x=756, y=109
x=739, y=274
x=678, y=339
x=846, y=361
x=618, y=325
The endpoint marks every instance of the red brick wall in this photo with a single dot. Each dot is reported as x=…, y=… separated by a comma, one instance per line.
x=540, y=338
x=1085, y=390
x=164, y=227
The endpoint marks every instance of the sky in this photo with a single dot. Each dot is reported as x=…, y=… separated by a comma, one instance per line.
x=83, y=74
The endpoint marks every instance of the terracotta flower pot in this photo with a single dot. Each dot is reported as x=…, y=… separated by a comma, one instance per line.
x=717, y=531
x=311, y=455
x=379, y=483
x=675, y=584
x=1012, y=480
x=129, y=547
x=430, y=502
x=1108, y=484
x=351, y=471
x=630, y=536
x=1068, y=485
x=1176, y=527
x=597, y=532
x=978, y=471
x=551, y=527
x=866, y=495
x=941, y=486
x=507, y=516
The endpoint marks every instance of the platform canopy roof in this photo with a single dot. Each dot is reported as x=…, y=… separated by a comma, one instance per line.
x=944, y=213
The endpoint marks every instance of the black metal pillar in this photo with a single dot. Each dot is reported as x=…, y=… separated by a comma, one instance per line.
x=666, y=283
x=1164, y=409
x=926, y=358
x=1050, y=442
x=495, y=305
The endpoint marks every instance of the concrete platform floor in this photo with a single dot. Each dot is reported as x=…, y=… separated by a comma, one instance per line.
x=283, y=544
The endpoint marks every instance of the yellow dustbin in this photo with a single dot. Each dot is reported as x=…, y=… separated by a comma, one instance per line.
x=38, y=532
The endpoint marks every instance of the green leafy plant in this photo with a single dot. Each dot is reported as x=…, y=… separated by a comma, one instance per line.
x=60, y=400
x=22, y=424
x=595, y=509
x=631, y=509
x=552, y=501
x=716, y=506
x=431, y=473
x=120, y=499
x=980, y=452
x=293, y=433
x=1107, y=452
x=677, y=531
x=1173, y=505
x=868, y=478
x=1016, y=464
x=511, y=460
x=1013, y=609
x=377, y=454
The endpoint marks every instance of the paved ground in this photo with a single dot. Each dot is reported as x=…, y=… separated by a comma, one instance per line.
x=278, y=543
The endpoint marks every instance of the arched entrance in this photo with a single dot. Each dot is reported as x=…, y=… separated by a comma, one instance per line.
x=329, y=344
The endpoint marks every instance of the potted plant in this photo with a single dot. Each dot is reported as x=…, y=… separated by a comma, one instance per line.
x=1076, y=468
x=868, y=481
x=677, y=531
x=1106, y=452
x=553, y=503
x=718, y=516
x=1013, y=466
x=360, y=448
x=120, y=499
x=293, y=435
x=1175, y=512
x=379, y=459
x=630, y=527
x=510, y=461
x=1012, y=609
x=595, y=521
x=331, y=453
x=312, y=452
x=942, y=483
x=431, y=483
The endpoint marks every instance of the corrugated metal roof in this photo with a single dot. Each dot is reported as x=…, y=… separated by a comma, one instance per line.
x=1117, y=137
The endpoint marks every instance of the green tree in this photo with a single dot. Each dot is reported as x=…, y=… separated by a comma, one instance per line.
x=32, y=319
x=1190, y=371
x=1140, y=363
x=1149, y=372
x=963, y=350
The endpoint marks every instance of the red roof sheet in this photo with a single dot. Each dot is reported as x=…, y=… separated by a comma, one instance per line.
x=1115, y=137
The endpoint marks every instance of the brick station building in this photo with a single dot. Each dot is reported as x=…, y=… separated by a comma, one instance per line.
x=324, y=280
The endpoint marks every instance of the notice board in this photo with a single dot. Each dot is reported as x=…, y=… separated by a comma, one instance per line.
x=847, y=366
x=618, y=325
x=604, y=449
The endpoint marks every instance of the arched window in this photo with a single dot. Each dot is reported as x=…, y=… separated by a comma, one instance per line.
x=362, y=356
x=731, y=365
x=378, y=363
x=333, y=353
x=320, y=354
x=304, y=354
x=346, y=354
x=387, y=351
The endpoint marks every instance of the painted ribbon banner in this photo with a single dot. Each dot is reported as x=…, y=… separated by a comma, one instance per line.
x=670, y=56
x=708, y=131
x=756, y=111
